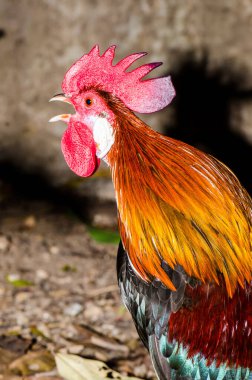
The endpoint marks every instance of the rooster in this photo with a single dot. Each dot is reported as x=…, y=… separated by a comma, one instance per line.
x=184, y=262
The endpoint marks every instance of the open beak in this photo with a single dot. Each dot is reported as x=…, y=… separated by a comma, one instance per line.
x=64, y=117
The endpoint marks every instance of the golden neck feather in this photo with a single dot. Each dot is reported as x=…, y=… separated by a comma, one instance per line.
x=177, y=204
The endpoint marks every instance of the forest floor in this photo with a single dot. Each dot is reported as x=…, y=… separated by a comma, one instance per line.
x=59, y=293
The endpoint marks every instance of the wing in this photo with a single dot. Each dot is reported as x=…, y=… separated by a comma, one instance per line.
x=195, y=332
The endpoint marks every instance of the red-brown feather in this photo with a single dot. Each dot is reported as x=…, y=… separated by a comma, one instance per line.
x=217, y=326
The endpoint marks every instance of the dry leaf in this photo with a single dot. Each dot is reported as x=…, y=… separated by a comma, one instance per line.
x=73, y=367
x=33, y=362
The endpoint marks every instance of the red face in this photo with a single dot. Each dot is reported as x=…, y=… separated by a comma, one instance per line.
x=89, y=135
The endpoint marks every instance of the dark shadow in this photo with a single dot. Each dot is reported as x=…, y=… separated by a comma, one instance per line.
x=2, y=33
x=18, y=187
x=202, y=115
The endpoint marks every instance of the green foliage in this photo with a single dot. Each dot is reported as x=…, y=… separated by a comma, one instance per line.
x=104, y=236
x=69, y=268
x=18, y=282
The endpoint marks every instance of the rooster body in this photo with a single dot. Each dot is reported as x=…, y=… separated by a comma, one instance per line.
x=185, y=263
x=177, y=327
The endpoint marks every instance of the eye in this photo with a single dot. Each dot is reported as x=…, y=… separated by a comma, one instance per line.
x=88, y=102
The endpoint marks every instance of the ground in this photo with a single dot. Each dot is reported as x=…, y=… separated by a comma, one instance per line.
x=59, y=293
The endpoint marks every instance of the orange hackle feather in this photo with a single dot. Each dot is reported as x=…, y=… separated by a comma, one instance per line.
x=178, y=204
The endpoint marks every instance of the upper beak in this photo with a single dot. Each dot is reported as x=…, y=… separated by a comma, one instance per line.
x=60, y=98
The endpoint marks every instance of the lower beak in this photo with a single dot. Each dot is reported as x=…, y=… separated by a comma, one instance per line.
x=65, y=117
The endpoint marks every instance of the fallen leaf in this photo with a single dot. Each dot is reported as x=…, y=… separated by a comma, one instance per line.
x=15, y=344
x=6, y=357
x=35, y=377
x=33, y=362
x=73, y=367
x=53, y=375
x=100, y=347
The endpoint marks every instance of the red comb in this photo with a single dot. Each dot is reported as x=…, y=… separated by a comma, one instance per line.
x=143, y=96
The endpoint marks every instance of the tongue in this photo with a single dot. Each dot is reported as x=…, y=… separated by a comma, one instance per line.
x=79, y=149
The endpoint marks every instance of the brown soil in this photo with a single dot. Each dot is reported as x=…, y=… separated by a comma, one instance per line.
x=58, y=293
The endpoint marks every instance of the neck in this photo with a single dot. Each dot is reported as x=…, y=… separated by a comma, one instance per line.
x=143, y=183
x=168, y=194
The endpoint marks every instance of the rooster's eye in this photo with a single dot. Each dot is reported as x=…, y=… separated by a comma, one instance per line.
x=88, y=102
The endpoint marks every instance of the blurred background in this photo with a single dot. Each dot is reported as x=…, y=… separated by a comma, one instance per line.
x=58, y=232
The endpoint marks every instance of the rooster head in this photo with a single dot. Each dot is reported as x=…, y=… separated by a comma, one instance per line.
x=88, y=85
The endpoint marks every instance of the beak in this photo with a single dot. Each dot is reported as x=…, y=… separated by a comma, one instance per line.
x=60, y=98
x=65, y=117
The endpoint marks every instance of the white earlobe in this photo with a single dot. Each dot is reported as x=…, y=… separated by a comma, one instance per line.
x=103, y=135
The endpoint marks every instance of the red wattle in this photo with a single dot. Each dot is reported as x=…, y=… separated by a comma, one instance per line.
x=78, y=148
